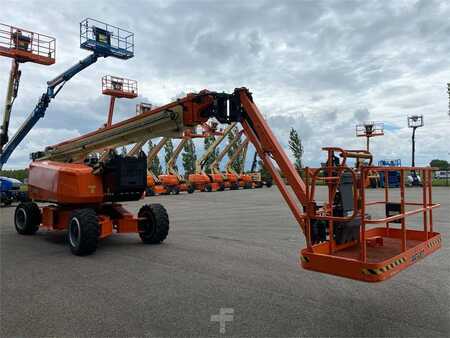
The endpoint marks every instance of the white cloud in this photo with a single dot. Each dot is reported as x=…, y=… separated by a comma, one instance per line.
x=321, y=66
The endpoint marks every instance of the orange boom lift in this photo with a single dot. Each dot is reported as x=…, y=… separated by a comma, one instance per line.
x=231, y=180
x=341, y=237
x=244, y=180
x=213, y=182
x=172, y=179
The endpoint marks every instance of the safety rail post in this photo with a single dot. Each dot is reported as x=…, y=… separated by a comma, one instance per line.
x=402, y=209
x=424, y=174
x=386, y=195
x=430, y=213
x=330, y=199
x=363, y=216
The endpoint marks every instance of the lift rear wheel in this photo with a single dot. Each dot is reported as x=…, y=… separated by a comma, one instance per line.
x=155, y=226
x=83, y=232
x=248, y=185
x=27, y=218
x=190, y=189
x=149, y=192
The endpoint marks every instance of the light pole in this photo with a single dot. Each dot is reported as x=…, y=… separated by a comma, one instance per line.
x=414, y=122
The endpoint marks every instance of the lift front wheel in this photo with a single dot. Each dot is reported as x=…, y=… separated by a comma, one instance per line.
x=27, y=218
x=83, y=232
x=154, y=223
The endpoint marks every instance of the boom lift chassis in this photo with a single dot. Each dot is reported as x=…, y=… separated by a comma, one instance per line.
x=339, y=239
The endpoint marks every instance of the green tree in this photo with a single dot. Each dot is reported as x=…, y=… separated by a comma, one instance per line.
x=189, y=157
x=295, y=144
x=156, y=164
x=208, y=141
x=18, y=174
x=441, y=164
x=168, y=152
x=237, y=165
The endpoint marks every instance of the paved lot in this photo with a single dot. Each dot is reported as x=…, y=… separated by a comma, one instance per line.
x=236, y=249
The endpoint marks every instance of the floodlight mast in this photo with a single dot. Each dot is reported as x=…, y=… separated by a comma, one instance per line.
x=102, y=40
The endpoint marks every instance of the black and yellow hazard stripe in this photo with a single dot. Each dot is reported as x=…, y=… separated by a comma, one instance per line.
x=385, y=268
x=304, y=259
x=433, y=243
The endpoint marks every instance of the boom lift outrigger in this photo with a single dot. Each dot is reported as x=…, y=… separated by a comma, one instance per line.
x=337, y=240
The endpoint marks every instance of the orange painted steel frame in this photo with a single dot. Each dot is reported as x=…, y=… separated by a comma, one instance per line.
x=57, y=218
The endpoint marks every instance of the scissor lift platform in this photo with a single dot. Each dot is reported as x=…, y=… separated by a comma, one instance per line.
x=26, y=46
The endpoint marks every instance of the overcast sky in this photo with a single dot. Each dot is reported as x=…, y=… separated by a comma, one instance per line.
x=318, y=66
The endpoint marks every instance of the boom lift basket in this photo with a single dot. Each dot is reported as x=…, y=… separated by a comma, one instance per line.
x=26, y=46
x=119, y=87
x=105, y=39
x=360, y=248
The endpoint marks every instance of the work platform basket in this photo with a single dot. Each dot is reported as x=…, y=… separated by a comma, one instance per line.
x=374, y=247
x=119, y=87
x=26, y=46
x=106, y=40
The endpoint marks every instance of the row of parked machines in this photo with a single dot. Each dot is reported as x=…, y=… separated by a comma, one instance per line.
x=207, y=175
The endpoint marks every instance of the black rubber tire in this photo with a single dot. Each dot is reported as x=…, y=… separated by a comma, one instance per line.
x=27, y=218
x=248, y=185
x=234, y=186
x=149, y=192
x=222, y=187
x=269, y=184
x=208, y=188
x=83, y=232
x=175, y=191
x=156, y=227
x=190, y=189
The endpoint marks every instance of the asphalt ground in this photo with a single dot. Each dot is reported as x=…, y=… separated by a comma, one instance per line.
x=235, y=250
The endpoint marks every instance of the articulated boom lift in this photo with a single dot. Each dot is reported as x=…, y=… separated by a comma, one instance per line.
x=231, y=180
x=22, y=46
x=244, y=180
x=172, y=180
x=339, y=238
x=213, y=182
x=102, y=39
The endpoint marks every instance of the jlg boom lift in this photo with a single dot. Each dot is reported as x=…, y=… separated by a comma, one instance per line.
x=102, y=39
x=231, y=180
x=244, y=180
x=340, y=237
x=22, y=46
x=172, y=179
x=213, y=182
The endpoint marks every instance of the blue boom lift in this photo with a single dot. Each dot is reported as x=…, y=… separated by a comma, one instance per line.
x=103, y=40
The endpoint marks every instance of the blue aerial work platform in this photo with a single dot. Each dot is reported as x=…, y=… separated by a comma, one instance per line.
x=102, y=40
x=393, y=176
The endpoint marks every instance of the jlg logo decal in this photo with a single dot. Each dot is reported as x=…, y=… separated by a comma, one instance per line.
x=91, y=189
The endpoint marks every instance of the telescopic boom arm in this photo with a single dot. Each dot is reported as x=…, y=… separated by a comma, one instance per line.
x=200, y=163
x=214, y=167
